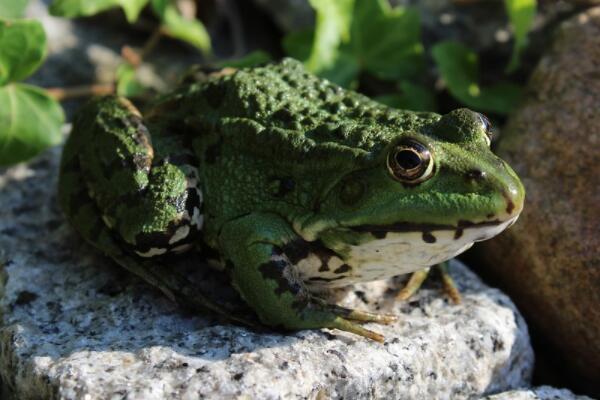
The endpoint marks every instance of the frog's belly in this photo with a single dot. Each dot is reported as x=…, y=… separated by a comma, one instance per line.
x=395, y=254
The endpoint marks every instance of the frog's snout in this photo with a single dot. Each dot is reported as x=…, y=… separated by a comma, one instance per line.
x=509, y=192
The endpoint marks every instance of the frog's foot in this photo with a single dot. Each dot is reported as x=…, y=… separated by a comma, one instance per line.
x=347, y=319
x=418, y=277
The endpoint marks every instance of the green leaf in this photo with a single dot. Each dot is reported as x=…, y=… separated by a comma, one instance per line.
x=520, y=14
x=85, y=8
x=344, y=70
x=22, y=49
x=458, y=67
x=249, y=60
x=331, y=28
x=386, y=40
x=411, y=97
x=127, y=83
x=12, y=8
x=30, y=121
x=176, y=25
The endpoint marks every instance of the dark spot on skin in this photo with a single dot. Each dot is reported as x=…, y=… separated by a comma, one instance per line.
x=490, y=216
x=342, y=268
x=379, y=234
x=510, y=206
x=428, y=237
x=274, y=270
x=458, y=233
x=296, y=251
x=324, y=268
x=192, y=201
x=321, y=279
x=362, y=296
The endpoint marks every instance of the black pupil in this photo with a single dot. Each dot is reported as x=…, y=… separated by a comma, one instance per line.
x=408, y=159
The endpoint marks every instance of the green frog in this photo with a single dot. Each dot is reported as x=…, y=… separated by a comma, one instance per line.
x=292, y=184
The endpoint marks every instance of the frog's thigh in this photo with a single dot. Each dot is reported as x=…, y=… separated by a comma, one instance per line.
x=153, y=204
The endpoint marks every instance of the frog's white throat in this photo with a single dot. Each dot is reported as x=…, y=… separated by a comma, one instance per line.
x=394, y=253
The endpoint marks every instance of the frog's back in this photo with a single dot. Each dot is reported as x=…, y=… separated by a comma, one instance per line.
x=284, y=95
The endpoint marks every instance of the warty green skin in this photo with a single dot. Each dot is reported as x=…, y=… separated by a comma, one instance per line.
x=277, y=170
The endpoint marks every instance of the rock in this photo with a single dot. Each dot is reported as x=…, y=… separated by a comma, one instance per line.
x=549, y=261
x=75, y=326
x=538, y=393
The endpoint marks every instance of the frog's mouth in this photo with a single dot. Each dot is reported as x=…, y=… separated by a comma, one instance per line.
x=484, y=230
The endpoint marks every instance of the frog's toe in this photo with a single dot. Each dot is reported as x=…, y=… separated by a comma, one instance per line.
x=413, y=284
x=449, y=285
x=353, y=327
x=362, y=316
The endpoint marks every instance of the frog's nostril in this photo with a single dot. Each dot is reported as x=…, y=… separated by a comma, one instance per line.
x=475, y=174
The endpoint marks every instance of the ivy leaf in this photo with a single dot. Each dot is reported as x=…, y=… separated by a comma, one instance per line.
x=249, y=60
x=30, y=121
x=344, y=71
x=86, y=8
x=180, y=27
x=459, y=68
x=12, y=8
x=386, y=40
x=331, y=29
x=520, y=14
x=22, y=49
x=411, y=97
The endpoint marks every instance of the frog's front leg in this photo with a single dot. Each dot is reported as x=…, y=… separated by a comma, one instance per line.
x=418, y=277
x=267, y=279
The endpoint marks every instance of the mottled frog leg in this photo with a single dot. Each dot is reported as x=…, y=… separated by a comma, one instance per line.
x=267, y=280
x=151, y=199
x=418, y=277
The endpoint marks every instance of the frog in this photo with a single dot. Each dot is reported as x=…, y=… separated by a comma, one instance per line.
x=292, y=185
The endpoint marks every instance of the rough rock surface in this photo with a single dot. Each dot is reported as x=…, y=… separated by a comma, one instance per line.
x=550, y=261
x=538, y=393
x=74, y=326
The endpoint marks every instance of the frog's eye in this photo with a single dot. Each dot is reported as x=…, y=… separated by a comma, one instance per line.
x=410, y=162
x=487, y=128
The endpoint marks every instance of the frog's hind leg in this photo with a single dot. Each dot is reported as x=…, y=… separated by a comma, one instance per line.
x=145, y=186
x=418, y=277
x=84, y=214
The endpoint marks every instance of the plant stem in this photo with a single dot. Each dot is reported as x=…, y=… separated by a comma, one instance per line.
x=61, y=94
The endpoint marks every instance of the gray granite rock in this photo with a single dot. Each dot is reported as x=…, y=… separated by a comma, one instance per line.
x=74, y=326
x=537, y=393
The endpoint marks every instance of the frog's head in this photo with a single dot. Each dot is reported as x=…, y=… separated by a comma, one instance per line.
x=438, y=184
